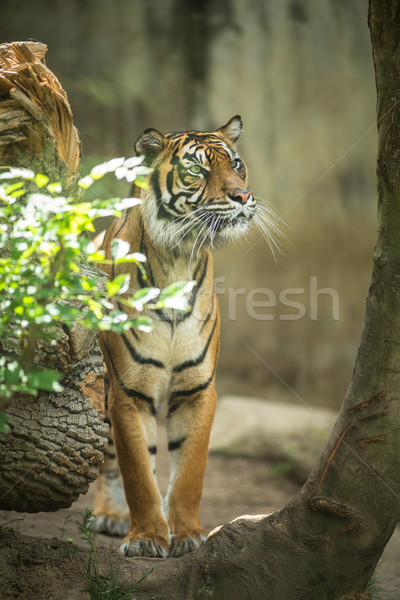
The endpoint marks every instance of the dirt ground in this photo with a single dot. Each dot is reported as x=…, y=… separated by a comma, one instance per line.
x=233, y=487
x=38, y=562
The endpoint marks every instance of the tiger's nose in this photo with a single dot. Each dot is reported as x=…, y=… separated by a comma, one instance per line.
x=241, y=195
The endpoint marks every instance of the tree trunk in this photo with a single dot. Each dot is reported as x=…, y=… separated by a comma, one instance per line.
x=36, y=123
x=56, y=443
x=327, y=541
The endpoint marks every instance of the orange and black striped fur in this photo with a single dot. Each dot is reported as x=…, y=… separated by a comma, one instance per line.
x=197, y=198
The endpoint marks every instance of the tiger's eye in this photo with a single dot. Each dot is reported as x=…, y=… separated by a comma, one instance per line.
x=195, y=169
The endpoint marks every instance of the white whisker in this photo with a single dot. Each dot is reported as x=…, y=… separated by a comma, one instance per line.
x=195, y=242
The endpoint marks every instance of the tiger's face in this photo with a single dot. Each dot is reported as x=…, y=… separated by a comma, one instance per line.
x=198, y=193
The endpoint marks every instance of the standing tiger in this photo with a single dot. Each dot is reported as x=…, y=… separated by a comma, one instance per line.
x=197, y=197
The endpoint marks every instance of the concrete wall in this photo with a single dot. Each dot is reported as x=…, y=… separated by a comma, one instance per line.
x=301, y=75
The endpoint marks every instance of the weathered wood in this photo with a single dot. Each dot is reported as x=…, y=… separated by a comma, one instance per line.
x=36, y=122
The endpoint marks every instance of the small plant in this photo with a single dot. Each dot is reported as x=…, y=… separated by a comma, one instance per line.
x=205, y=590
x=67, y=520
x=284, y=467
x=98, y=585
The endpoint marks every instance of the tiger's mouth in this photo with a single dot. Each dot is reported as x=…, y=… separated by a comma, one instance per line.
x=215, y=228
x=233, y=221
x=206, y=226
x=234, y=216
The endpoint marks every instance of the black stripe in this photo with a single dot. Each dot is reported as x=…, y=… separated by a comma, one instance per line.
x=175, y=445
x=187, y=393
x=161, y=263
x=202, y=276
x=165, y=215
x=183, y=316
x=154, y=179
x=142, y=360
x=196, y=361
x=208, y=317
x=200, y=388
x=198, y=267
x=152, y=450
x=135, y=334
x=131, y=392
x=149, y=272
x=158, y=313
x=170, y=184
x=172, y=409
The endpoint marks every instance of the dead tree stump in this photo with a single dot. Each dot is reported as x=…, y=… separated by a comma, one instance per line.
x=56, y=443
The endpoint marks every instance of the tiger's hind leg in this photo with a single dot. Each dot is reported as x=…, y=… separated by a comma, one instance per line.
x=112, y=516
x=189, y=423
x=110, y=507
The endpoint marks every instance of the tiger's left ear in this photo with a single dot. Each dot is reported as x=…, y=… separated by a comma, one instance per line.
x=150, y=143
x=232, y=129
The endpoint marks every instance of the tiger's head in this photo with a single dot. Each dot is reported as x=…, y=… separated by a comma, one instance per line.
x=198, y=193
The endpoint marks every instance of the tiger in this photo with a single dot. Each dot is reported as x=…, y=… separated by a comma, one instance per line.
x=197, y=197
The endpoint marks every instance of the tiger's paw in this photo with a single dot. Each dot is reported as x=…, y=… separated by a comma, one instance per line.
x=111, y=524
x=145, y=544
x=187, y=542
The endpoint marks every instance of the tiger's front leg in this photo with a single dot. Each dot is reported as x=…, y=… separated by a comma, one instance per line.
x=189, y=424
x=132, y=412
x=148, y=533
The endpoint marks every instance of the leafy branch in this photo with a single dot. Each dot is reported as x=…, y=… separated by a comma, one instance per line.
x=44, y=242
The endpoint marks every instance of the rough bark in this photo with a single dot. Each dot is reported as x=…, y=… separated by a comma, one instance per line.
x=56, y=443
x=327, y=541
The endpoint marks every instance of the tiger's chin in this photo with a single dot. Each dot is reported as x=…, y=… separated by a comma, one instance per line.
x=232, y=232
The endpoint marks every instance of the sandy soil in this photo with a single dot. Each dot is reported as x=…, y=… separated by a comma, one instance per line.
x=233, y=486
x=52, y=568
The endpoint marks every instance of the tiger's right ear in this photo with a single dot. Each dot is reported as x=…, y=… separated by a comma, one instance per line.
x=150, y=143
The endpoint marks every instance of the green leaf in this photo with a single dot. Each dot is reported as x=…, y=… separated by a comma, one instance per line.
x=18, y=193
x=14, y=187
x=175, y=295
x=86, y=182
x=119, y=285
x=4, y=428
x=126, y=203
x=141, y=182
x=17, y=173
x=119, y=248
x=142, y=323
x=54, y=188
x=13, y=373
x=107, y=167
x=41, y=180
x=136, y=257
x=142, y=297
x=44, y=379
